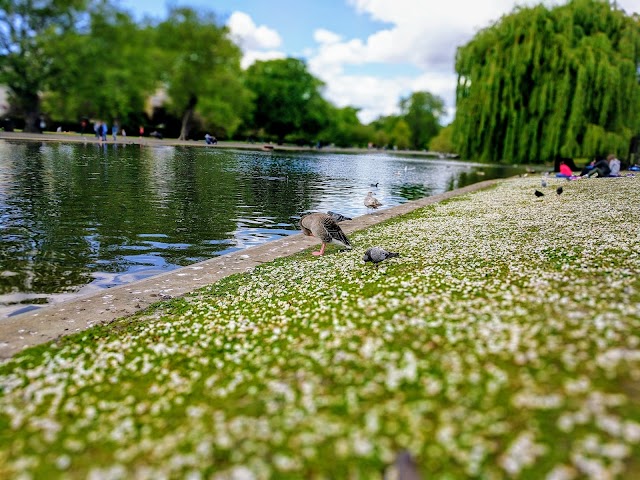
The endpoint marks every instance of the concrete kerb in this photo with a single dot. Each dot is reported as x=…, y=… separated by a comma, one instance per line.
x=52, y=322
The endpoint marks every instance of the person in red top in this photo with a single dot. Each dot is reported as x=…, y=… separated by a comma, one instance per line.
x=565, y=171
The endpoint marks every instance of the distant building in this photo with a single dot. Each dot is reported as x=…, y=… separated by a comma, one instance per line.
x=155, y=101
x=4, y=101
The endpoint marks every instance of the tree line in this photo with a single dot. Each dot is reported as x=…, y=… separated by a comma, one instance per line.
x=90, y=60
x=536, y=84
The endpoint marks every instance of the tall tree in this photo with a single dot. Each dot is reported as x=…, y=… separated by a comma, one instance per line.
x=542, y=82
x=422, y=112
x=200, y=69
x=106, y=73
x=26, y=66
x=287, y=98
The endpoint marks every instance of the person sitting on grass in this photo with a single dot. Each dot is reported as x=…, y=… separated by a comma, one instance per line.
x=600, y=168
x=614, y=165
x=565, y=171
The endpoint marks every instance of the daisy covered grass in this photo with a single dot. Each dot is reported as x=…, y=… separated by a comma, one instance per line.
x=503, y=343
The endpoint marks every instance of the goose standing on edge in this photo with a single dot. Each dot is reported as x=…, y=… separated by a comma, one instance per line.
x=325, y=228
x=371, y=202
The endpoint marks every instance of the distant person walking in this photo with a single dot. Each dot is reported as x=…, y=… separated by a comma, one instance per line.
x=103, y=131
x=114, y=130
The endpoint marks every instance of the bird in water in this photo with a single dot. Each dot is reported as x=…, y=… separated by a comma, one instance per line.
x=338, y=217
x=325, y=228
x=371, y=202
x=377, y=255
x=559, y=190
x=538, y=193
x=375, y=184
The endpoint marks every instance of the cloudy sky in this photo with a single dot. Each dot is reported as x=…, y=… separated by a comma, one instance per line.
x=370, y=53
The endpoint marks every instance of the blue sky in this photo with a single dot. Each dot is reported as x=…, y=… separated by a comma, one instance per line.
x=369, y=53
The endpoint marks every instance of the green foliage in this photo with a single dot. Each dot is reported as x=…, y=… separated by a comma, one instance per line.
x=443, y=141
x=199, y=66
x=422, y=112
x=287, y=98
x=546, y=82
x=345, y=129
x=26, y=64
x=384, y=127
x=392, y=131
x=103, y=73
x=401, y=135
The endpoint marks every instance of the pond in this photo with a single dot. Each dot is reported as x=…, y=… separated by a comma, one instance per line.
x=75, y=218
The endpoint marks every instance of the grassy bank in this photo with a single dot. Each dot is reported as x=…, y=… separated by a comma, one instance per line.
x=503, y=343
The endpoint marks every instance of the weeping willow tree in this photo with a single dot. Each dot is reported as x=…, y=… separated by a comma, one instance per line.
x=542, y=83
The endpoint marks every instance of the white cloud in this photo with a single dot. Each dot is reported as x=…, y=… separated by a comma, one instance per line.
x=325, y=36
x=252, y=56
x=422, y=35
x=250, y=36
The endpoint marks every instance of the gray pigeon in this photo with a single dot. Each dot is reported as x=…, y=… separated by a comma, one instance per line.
x=377, y=255
x=404, y=468
x=322, y=226
x=338, y=217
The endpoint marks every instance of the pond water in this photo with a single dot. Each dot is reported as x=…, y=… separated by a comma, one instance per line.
x=75, y=218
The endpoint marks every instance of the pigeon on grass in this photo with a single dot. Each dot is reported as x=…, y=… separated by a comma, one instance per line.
x=404, y=468
x=325, y=228
x=538, y=193
x=377, y=255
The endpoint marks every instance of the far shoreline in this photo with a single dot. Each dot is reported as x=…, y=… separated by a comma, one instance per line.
x=222, y=144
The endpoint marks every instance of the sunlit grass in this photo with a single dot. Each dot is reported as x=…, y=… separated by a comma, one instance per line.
x=503, y=343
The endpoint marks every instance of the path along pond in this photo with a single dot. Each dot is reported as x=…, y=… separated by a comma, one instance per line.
x=75, y=218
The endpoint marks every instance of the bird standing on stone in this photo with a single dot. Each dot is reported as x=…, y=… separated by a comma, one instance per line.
x=538, y=193
x=325, y=228
x=371, y=202
x=338, y=217
x=377, y=255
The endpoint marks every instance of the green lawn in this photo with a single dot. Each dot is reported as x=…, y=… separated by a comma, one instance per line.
x=503, y=343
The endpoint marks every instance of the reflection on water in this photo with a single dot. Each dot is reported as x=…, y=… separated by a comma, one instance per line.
x=75, y=218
